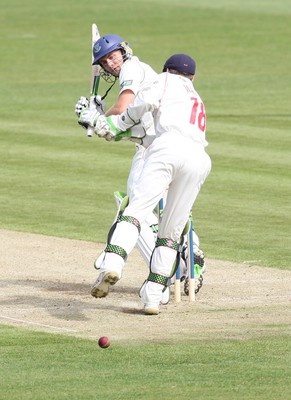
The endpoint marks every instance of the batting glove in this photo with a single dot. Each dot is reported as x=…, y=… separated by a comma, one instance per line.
x=82, y=103
x=88, y=117
x=100, y=104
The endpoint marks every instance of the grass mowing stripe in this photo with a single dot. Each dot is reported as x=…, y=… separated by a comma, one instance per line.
x=281, y=7
x=66, y=182
x=61, y=367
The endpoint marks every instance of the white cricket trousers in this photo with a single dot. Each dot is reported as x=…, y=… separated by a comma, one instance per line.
x=147, y=238
x=175, y=163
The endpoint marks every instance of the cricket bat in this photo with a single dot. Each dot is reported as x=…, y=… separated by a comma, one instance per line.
x=95, y=74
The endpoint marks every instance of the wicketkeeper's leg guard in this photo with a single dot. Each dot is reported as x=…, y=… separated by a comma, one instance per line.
x=199, y=268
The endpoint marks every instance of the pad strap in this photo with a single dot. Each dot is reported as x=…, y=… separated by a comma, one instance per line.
x=111, y=248
x=162, y=280
x=168, y=243
x=131, y=220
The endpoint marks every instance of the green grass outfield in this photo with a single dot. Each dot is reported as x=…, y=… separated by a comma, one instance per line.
x=55, y=181
x=38, y=365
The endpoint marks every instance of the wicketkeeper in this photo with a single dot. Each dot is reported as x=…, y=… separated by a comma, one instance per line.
x=175, y=161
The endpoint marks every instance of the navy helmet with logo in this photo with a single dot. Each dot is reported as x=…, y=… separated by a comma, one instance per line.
x=181, y=63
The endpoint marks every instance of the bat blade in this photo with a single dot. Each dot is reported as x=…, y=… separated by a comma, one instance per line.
x=95, y=73
x=95, y=68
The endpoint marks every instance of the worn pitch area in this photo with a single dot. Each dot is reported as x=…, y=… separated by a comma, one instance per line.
x=45, y=285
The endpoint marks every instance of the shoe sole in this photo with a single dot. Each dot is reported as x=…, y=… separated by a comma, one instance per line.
x=109, y=279
x=151, y=311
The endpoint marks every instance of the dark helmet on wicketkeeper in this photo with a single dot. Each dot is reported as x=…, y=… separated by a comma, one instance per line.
x=108, y=43
x=181, y=63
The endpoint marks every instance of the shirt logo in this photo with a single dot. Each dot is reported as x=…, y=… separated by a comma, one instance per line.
x=126, y=83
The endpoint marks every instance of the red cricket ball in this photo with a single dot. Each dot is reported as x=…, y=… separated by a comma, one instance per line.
x=104, y=342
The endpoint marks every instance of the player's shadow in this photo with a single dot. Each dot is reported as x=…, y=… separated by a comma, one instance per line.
x=74, y=301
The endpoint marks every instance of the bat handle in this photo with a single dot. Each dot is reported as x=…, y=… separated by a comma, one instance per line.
x=90, y=130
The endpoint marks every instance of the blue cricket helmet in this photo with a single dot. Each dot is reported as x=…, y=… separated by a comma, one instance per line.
x=108, y=43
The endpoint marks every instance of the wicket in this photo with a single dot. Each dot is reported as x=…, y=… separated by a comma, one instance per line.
x=190, y=269
x=190, y=261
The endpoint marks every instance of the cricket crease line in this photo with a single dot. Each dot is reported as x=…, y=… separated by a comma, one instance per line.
x=37, y=323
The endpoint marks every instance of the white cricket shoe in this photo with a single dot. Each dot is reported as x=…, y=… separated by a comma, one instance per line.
x=151, y=309
x=103, y=283
x=150, y=294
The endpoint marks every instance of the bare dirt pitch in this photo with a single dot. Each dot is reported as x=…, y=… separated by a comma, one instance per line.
x=45, y=285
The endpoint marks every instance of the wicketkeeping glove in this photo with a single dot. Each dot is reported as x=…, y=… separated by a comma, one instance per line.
x=82, y=103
